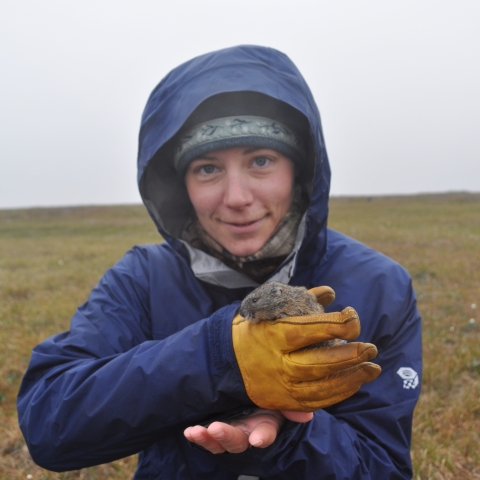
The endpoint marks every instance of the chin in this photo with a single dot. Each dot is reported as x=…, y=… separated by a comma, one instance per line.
x=244, y=250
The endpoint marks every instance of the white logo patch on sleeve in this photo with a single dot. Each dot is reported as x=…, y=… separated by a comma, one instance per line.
x=409, y=377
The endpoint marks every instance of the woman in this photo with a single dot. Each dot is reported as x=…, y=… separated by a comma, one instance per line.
x=234, y=172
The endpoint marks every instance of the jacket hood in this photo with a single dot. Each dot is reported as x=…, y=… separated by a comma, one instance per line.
x=256, y=80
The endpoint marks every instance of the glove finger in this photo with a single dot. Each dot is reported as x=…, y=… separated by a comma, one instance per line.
x=324, y=295
x=317, y=363
x=299, y=332
x=333, y=389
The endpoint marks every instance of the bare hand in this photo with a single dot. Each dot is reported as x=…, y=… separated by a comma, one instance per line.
x=259, y=429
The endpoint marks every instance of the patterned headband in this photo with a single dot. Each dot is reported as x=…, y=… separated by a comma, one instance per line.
x=237, y=131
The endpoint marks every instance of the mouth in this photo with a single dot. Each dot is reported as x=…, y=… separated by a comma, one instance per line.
x=243, y=227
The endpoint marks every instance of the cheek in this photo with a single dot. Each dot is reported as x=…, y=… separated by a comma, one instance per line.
x=203, y=198
x=279, y=192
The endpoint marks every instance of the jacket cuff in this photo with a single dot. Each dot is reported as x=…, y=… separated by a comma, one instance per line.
x=221, y=348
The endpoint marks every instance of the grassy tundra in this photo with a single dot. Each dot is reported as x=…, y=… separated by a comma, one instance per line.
x=51, y=258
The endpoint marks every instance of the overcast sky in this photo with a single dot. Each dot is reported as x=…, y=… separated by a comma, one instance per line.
x=397, y=84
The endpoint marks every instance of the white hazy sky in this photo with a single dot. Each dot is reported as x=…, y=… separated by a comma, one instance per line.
x=397, y=84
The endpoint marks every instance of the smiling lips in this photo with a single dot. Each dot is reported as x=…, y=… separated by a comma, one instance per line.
x=243, y=227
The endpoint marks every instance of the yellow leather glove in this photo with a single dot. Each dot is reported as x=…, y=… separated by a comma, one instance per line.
x=280, y=375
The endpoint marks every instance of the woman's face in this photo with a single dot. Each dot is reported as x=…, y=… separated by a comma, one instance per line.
x=240, y=195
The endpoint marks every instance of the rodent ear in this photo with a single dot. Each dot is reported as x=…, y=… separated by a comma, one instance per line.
x=277, y=291
x=324, y=295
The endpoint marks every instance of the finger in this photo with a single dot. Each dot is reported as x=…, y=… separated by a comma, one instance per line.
x=299, y=332
x=264, y=434
x=200, y=436
x=299, y=417
x=316, y=363
x=337, y=387
x=232, y=438
x=324, y=295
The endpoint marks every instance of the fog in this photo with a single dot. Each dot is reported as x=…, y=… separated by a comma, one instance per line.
x=396, y=84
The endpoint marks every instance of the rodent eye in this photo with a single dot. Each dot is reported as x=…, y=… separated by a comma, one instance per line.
x=254, y=300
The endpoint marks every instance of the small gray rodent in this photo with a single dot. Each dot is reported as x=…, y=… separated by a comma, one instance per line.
x=276, y=300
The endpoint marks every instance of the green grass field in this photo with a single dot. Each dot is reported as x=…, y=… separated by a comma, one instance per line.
x=51, y=258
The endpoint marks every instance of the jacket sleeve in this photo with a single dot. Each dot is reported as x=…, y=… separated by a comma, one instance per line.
x=366, y=436
x=104, y=390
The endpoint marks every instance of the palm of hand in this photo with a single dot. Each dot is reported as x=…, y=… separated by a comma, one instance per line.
x=258, y=429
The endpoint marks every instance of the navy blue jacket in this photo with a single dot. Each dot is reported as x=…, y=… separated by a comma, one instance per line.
x=150, y=352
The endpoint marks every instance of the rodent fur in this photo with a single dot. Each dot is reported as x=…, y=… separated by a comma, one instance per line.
x=276, y=300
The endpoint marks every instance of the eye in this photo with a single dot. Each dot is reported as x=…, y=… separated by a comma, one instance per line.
x=254, y=300
x=261, y=161
x=207, y=169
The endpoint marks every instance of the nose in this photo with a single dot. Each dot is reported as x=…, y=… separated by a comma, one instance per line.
x=238, y=193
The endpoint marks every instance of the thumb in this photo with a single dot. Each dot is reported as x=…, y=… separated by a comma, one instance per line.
x=299, y=417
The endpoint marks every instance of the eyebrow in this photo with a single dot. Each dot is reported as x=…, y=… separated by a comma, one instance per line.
x=252, y=149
